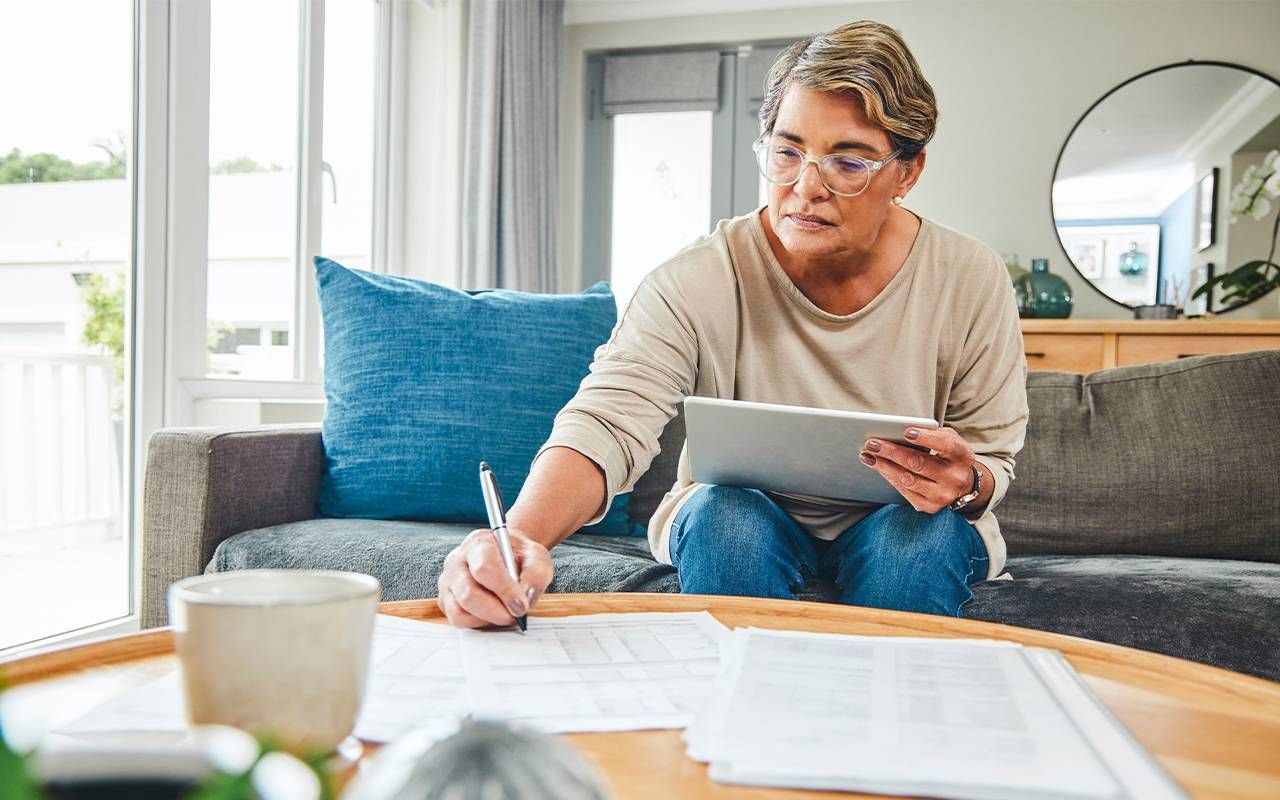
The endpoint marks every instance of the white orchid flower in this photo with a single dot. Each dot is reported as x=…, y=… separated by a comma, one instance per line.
x=1272, y=185
x=1261, y=208
x=1239, y=204
x=280, y=776
x=230, y=750
x=1250, y=172
x=1271, y=159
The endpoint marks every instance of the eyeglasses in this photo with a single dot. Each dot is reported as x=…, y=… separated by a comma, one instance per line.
x=782, y=163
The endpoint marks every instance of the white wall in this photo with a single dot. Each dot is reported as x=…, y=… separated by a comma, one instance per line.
x=1233, y=245
x=1012, y=78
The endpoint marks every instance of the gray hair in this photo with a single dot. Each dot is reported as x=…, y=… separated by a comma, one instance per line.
x=870, y=61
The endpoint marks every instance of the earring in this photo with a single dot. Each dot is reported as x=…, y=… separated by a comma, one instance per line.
x=897, y=200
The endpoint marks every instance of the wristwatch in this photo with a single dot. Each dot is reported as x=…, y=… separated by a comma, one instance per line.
x=967, y=498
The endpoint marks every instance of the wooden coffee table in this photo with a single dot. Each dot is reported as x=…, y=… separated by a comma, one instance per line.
x=1216, y=732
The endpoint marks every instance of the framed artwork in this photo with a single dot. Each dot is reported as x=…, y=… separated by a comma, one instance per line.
x=1088, y=254
x=1129, y=258
x=1201, y=305
x=1206, y=209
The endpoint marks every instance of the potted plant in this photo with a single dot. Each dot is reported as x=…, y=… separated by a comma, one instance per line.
x=1252, y=197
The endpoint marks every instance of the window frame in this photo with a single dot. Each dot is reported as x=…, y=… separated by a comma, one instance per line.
x=189, y=31
x=734, y=176
x=166, y=296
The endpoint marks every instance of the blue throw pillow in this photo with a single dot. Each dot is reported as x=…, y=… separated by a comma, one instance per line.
x=423, y=382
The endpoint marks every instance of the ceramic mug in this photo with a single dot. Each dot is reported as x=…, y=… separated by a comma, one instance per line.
x=280, y=653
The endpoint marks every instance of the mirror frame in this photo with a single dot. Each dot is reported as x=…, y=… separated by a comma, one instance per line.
x=1063, y=149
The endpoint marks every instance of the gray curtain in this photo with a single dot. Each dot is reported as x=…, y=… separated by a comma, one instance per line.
x=510, y=144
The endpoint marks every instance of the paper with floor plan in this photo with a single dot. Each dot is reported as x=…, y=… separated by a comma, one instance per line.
x=600, y=672
x=955, y=719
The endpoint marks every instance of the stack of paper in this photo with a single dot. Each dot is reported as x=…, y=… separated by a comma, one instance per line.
x=950, y=718
x=601, y=672
x=947, y=718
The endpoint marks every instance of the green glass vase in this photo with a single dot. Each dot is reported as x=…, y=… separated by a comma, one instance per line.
x=1015, y=269
x=1042, y=294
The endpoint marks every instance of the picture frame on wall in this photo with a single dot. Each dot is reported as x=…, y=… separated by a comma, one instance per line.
x=1130, y=258
x=1199, y=276
x=1207, y=209
x=1088, y=254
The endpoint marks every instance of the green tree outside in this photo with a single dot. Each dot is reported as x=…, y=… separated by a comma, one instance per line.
x=242, y=165
x=103, y=297
x=48, y=168
x=19, y=167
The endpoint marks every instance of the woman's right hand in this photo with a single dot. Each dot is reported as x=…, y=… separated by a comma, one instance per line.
x=475, y=590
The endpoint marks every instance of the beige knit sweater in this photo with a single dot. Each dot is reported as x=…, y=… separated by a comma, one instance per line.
x=722, y=319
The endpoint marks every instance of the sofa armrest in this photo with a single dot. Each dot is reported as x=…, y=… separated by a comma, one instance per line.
x=203, y=485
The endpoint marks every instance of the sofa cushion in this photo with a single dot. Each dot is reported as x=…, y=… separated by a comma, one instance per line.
x=407, y=556
x=1214, y=611
x=423, y=382
x=1174, y=459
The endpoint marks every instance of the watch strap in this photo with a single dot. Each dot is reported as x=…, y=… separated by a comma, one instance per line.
x=967, y=498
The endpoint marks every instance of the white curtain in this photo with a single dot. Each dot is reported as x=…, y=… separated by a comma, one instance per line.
x=510, y=144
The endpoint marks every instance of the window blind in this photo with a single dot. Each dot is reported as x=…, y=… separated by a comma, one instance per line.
x=682, y=81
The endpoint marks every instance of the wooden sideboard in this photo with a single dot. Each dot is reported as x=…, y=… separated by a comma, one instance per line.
x=1084, y=345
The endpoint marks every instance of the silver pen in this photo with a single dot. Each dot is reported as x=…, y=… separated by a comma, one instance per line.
x=498, y=524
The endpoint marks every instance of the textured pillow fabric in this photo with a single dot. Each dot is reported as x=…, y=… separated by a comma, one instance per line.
x=423, y=382
x=1175, y=458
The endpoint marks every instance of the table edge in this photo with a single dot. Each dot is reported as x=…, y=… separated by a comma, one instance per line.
x=1081, y=652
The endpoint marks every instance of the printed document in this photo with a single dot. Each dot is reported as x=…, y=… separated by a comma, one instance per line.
x=415, y=677
x=945, y=718
x=599, y=672
x=604, y=672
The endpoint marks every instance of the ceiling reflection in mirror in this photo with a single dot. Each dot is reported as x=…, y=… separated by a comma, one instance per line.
x=1143, y=192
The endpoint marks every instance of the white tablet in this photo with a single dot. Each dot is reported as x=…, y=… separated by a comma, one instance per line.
x=812, y=451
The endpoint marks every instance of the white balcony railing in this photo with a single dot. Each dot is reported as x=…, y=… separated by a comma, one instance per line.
x=59, y=450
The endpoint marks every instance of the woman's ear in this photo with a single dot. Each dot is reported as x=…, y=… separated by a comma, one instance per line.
x=910, y=173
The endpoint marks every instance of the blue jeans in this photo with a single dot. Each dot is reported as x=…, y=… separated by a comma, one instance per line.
x=726, y=540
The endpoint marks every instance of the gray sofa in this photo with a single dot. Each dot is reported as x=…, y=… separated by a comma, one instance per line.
x=1146, y=513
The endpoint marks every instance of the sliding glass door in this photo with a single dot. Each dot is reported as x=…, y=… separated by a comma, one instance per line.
x=668, y=148
x=66, y=239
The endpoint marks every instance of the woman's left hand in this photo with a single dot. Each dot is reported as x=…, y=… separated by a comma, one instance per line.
x=930, y=480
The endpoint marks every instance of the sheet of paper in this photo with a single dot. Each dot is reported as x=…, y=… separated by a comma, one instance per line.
x=706, y=726
x=1141, y=775
x=155, y=707
x=934, y=717
x=415, y=677
x=600, y=672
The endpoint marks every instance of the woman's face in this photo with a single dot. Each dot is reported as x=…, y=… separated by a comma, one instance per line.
x=809, y=220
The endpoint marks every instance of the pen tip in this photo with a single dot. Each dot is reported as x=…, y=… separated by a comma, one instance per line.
x=523, y=622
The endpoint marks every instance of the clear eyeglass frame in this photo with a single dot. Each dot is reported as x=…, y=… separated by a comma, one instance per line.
x=761, y=146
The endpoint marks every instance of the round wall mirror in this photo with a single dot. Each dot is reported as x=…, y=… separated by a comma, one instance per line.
x=1168, y=183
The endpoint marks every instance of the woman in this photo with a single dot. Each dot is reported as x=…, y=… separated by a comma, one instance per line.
x=832, y=295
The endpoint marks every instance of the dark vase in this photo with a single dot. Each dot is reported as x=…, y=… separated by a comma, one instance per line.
x=1040, y=293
